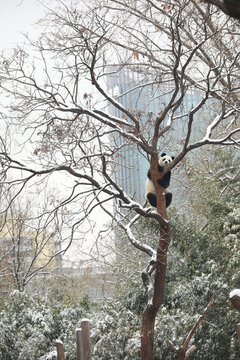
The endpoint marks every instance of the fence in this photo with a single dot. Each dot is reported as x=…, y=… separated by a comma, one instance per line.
x=83, y=343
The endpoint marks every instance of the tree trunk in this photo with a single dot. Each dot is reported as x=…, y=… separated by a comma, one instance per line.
x=149, y=314
x=147, y=340
x=181, y=354
x=154, y=303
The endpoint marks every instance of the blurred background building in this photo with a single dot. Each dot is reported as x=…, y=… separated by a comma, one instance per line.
x=146, y=98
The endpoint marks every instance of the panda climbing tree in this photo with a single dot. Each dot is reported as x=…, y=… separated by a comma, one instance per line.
x=164, y=181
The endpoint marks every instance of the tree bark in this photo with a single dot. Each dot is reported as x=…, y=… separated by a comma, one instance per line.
x=148, y=323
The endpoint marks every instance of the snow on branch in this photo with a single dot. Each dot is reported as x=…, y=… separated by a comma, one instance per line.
x=137, y=244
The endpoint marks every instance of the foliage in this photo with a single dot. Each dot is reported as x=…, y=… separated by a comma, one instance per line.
x=206, y=258
x=26, y=328
x=30, y=326
x=116, y=333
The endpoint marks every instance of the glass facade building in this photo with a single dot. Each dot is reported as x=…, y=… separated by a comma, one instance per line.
x=146, y=102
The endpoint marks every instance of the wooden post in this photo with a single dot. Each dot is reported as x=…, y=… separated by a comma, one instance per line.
x=234, y=301
x=238, y=332
x=86, y=340
x=79, y=344
x=60, y=350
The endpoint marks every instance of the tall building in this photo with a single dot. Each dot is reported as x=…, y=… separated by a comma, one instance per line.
x=147, y=102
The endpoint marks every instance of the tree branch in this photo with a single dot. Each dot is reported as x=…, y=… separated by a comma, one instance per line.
x=182, y=351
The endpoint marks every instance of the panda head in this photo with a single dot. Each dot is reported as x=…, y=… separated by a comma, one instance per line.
x=164, y=159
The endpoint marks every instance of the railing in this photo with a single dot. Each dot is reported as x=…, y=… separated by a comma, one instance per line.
x=83, y=351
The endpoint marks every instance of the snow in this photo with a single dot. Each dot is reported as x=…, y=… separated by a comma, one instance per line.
x=83, y=320
x=51, y=355
x=59, y=342
x=235, y=292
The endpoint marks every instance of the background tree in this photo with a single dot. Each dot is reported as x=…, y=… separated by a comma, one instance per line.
x=28, y=250
x=184, y=45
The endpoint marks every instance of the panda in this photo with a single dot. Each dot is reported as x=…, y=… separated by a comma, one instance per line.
x=163, y=161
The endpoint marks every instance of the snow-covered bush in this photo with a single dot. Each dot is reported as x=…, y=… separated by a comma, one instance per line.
x=26, y=328
x=116, y=333
x=29, y=328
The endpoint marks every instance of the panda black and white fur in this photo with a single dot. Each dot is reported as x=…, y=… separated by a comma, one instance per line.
x=163, y=161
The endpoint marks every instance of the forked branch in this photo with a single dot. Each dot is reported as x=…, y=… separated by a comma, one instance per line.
x=182, y=352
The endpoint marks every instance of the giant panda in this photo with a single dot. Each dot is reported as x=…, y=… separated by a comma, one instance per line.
x=163, y=161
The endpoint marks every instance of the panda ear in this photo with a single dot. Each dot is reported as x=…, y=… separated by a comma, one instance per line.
x=173, y=157
x=163, y=154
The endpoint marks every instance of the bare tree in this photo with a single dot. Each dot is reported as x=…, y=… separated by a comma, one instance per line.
x=174, y=47
x=28, y=249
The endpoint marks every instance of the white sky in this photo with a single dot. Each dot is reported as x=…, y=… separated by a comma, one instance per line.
x=17, y=17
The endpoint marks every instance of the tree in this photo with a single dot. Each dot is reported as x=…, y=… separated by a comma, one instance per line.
x=174, y=48
x=28, y=250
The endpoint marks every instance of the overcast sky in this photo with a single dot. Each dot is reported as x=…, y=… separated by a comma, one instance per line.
x=17, y=17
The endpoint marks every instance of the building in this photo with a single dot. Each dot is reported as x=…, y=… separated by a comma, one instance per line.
x=127, y=87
